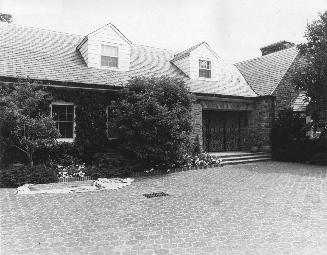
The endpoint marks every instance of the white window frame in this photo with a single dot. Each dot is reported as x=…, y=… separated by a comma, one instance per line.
x=68, y=140
x=100, y=53
x=210, y=63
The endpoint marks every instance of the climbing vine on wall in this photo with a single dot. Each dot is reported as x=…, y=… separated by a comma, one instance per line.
x=90, y=119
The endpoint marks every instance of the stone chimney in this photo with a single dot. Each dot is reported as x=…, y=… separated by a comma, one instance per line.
x=271, y=48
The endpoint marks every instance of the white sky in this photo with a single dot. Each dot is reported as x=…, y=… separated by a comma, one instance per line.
x=235, y=29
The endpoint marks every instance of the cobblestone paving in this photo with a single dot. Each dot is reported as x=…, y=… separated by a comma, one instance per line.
x=263, y=208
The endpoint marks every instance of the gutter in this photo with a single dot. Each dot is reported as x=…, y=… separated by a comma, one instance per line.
x=65, y=85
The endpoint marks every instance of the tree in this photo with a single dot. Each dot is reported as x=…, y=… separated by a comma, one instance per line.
x=5, y=18
x=24, y=118
x=312, y=75
x=152, y=119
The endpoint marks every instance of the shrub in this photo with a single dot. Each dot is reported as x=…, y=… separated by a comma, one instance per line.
x=320, y=159
x=64, y=160
x=25, y=121
x=108, y=165
x=286, y=128
x=196, y=146
x=290, y=143
x=63, y=154
x=152, y=119
x=18, y=175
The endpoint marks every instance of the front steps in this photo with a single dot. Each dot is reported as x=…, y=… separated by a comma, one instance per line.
x=237, y=157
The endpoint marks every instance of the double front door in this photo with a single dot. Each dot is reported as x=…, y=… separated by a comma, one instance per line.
x=222, y=130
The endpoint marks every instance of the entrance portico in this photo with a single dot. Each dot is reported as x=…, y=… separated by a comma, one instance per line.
x=224, y=130
x=223, y=123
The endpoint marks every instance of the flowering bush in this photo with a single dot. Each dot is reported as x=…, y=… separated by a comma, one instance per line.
x=189, y=160
x=74, y=170
x=202, y=159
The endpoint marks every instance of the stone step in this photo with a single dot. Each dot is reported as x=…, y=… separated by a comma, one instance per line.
x=238, y=154
x=245, y=161
x=252, y=156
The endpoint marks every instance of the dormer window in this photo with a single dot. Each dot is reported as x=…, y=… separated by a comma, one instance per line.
x=204, y=68
x=109, y=56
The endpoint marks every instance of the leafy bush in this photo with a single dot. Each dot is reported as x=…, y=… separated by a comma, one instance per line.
x=25, y=121
x=18, y=175
x=108, y=165
x=288, y=127
x=196, y=146
x=290, y=143
x=295, y=151
x=254, y=138
x=319, y=159
x=152, y=119
x=63, y=154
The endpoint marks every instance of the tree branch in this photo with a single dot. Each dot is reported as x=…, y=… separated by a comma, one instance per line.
x=19, y=148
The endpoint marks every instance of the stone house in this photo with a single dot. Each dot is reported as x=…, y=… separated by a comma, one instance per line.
x=230, y=99
x=272, y=74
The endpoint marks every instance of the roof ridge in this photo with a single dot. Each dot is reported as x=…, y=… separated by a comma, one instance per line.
x=281, y=78
x=266, y=56
x=189, y=49
x=39, y=28
x=153, y=47
x=113, y=27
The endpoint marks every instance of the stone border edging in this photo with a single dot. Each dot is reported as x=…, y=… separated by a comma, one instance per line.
x=143, y=174
x=73, y=179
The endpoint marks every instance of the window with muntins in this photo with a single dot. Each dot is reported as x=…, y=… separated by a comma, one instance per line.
x=63, y=115
x=109, y=56
x=205, y=68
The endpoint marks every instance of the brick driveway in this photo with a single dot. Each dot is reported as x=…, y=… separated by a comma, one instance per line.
x=263, y=208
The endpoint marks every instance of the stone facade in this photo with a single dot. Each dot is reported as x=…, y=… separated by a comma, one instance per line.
x=262, y=117
x=197, y=122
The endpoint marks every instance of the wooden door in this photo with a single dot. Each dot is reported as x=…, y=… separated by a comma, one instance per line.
x=232, y=131
x=213, y=131
x=221, y=131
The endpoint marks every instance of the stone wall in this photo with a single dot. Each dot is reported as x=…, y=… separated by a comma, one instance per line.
x=262, y=117
x=197, y=122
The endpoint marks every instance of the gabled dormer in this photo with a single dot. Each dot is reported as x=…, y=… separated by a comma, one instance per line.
x=199, y=62
x=106, y=48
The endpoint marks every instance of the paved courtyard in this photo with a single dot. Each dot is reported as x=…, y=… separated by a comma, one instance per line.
x=262, y=208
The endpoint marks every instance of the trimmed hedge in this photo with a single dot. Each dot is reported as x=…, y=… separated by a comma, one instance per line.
x=15, y=176
x=108, y=165
x=289, y=141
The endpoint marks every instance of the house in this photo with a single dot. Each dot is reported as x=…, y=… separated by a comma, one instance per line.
x=230, y=99
x=272, y=74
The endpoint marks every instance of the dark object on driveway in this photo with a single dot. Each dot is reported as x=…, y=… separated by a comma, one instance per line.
x=156, y=194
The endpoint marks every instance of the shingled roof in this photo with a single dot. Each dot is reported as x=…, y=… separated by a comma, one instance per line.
x=52, y=56
x=264, y=73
